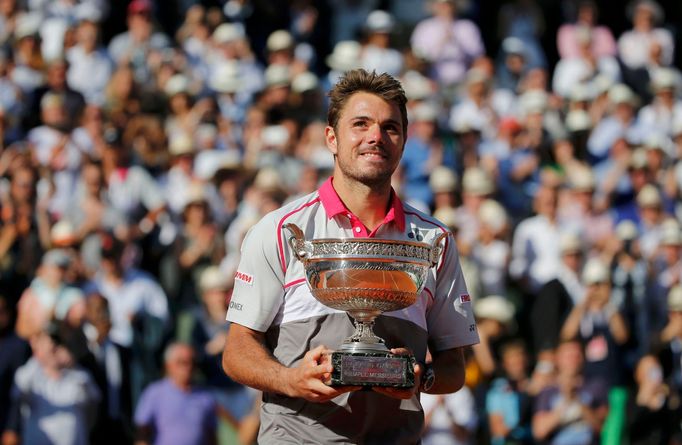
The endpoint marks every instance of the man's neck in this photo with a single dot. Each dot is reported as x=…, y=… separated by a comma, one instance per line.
x=369, y=204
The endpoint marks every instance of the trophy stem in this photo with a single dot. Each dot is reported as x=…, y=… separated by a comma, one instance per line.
x=363, y=339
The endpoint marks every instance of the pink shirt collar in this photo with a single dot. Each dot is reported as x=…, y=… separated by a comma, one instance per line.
x=333, y=206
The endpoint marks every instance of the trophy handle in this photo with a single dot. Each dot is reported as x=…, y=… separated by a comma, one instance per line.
x=437, y=249
x=297, y=242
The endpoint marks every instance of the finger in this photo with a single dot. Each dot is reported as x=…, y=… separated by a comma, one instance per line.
x=319, y=371
x=315, y=354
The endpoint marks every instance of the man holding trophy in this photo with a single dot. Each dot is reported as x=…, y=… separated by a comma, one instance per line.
x=348, y=303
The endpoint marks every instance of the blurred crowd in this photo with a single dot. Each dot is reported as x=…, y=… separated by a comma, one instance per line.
x=134, y=158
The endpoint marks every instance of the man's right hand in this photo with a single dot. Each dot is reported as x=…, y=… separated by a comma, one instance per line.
x=307, y=379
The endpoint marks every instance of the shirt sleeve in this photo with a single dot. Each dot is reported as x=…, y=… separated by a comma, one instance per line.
x=259, y=281
x=144, y=413
x=450, y=319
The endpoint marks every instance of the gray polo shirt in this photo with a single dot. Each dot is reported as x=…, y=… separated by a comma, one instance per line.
x=271, y=296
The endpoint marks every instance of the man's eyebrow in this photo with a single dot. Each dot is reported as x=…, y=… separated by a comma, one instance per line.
x=367, y=118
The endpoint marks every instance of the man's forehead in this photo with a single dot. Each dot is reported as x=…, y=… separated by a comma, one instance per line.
x=366, y=103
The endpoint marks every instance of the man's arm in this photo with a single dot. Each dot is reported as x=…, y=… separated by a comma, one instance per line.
x=246, y=360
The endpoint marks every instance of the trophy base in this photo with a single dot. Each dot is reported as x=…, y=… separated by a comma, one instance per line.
x=372, y=369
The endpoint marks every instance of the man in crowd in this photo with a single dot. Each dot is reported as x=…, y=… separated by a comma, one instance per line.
x=280, y=333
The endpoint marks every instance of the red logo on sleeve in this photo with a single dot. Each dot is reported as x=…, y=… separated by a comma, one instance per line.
x=465, y=298
x=244, y=278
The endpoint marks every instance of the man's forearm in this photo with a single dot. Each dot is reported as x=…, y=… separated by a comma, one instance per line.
x=247, y=361
x=448, y=367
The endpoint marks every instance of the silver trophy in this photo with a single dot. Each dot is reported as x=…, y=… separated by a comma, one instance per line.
x=366, y=277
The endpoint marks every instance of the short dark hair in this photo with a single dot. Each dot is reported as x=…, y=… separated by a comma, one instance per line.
x=383, y=85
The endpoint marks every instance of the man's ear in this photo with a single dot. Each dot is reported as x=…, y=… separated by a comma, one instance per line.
x=330, y=139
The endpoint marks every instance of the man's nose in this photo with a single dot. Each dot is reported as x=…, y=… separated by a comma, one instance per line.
x=374, y=134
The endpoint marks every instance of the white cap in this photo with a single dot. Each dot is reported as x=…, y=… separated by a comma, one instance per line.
x=225, y=78
x=177, y=84
x=513, y=45
x=305, y=81
x=495, y=307
x=448, y=216
x=275, y=135
x=477, y=182
x=277, y=76
x=638, y=159
x=477, y=75
x=580, y=93
x=181, y=144
x=595, y=271
x=379, y=21
x=675, y=299
x=27, y=25
x=345, y=56
x=581, y=179
x=649, y=196
x=578, y=120
x=664, y=79
x=212, y=278
x=570, y=242
x=627, y=230
x=62, y=233
x=268, y=179
x=424, y=111
x=279, y=40
x=416, y=86
x=443, y=180
x=657, y=141
x=195, y=193
x=621, y=93
x=228, y=32
x=533, y=101
x=671, y=235
x=493, y=215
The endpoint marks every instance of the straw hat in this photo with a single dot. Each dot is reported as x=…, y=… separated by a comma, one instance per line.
x=595, y=271
x=279, y=40
x=443, y=180
x=477, y=182
x=225, y=78
x=495, y=307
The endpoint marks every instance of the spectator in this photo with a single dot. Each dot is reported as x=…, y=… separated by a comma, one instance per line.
x=49, y=297
x=557, y=297
x=508, y=403
x=109, y=364
x=535, y=249
x=53, y=400
x=449, y=43
x=573, y=409
x=597, y=323
x=634, y=45
x=587, y=14
x=449, y=419
x=13, y=353
x=495, y=317
x=173, y=410
x=491, y=251
x=377, y=53
x=650, y=416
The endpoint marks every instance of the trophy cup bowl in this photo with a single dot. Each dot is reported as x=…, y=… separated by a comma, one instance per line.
x=366, y=277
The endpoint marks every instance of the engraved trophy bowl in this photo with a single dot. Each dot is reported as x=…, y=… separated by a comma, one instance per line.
x=365, y=277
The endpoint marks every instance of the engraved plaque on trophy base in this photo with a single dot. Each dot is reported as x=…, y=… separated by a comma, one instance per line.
x=372, y=369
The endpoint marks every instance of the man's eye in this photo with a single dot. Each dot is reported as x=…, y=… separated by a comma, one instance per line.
x=360, y=124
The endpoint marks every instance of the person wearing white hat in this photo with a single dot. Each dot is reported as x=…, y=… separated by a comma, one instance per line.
x=619, y=122
x=377, y=53
x=557, y=297
x=651, y=215
x=598, y=323
x=449, y=43
x=634, y=45
x=477, y=186
x=658, y=116
x=490, y=250
x=495, y=316
x=535, y=245
x=424, y=163
x=571, y=72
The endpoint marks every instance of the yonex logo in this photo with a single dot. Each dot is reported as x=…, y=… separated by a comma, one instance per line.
x=244, y=278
